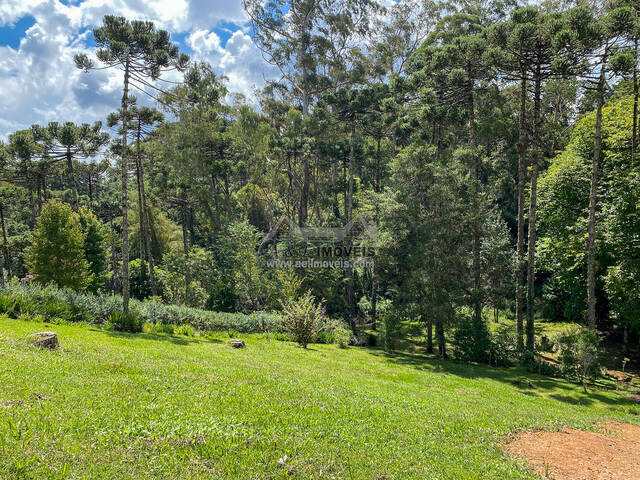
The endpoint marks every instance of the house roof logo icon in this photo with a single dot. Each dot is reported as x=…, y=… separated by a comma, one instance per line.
x=357, y=229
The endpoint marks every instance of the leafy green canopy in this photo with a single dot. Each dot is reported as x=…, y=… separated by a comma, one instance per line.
x=56, y=253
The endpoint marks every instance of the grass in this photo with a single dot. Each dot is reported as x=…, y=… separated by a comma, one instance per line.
x=112, y=405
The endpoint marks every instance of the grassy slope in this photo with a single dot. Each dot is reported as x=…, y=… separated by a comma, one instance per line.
x=122, y=406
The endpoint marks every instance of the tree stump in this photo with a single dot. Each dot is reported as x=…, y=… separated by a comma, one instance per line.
x=45, y=339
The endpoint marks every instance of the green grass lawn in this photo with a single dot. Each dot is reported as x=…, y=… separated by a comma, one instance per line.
x=139, y=406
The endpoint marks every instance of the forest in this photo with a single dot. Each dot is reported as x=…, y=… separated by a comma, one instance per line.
x=469, y=164
x=412, y=252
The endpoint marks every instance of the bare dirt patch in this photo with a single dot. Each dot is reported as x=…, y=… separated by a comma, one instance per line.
x=579, y=455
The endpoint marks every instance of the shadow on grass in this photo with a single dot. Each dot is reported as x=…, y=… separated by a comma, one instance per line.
x=528, y=383
x=165, y=337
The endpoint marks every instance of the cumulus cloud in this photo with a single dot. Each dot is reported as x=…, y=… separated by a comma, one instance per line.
x=39, y=82
x=239, y=60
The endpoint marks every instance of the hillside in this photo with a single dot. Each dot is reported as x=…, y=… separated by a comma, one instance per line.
x=139, y=406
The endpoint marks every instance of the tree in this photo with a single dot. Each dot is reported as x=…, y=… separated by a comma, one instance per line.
x=527, y=48
x=509, y=53
x=56, y=253
x=142, y=53
x=457, y=56
x=95, y=248
x=301, y=37
x=141, y=122
x=601, y=40
x=496, y=262
x=71, y=142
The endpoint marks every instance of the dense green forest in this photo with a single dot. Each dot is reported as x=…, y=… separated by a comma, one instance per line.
x=490, y=150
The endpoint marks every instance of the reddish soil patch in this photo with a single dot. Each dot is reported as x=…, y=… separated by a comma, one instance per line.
x=578, y=455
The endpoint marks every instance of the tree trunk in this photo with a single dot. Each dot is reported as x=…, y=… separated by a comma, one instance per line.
x=442, y=347
x=475, y=227
x=306, y=181
x=140, y=212
x=591, y=228
x=39, y=193
x=187, y=271
x=124, y=178
x=634, y=137
x=304, y=192
x=374, y=297
x=531, y=260
x=522, y=173
x=350, y=281
x=114, y=259
x=429, y=336
x=72, y=180
x=5, y=245
x=145, y=224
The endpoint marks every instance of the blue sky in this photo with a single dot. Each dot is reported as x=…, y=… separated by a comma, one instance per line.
x=38, y=39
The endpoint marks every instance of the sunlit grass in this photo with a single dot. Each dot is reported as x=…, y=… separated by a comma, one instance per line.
x=139, y=406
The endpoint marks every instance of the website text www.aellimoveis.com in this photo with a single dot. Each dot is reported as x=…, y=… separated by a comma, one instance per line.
x=314, y=263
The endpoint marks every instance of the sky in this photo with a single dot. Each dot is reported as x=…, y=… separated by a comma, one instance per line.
x=39, y=82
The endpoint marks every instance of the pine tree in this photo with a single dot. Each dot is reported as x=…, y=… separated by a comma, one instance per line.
x=143, y=53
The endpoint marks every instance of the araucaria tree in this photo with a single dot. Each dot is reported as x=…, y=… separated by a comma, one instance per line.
x=71, y=142
x=142, y=53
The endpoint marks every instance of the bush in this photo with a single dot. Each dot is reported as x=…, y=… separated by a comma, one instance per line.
x=334, y=331
x=126, y=322
x=471, y=339
x=68, y=305
x=341, y=337
x=504, y=347
x=389, y=328
x=579, y=354
x=303, y=319
x=186, y=330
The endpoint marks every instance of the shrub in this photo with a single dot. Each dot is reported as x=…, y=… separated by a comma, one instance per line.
x=186, y=330
x=303, y=319
x=471, y=339
x=504, y=346
x=334, y=331
x=579, y=354
x=51, y=301
x=389, y=328
x=7, y=305
x=126, y=322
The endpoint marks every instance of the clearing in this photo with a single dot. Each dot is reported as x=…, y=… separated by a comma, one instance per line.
x=140, y=406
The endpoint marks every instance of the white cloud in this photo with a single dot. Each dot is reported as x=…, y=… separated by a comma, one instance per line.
x=39, y=82
x=239, y=60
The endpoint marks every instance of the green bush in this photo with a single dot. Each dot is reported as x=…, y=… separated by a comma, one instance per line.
x=389, y=328
x=579, y=354
x=504, y=346
x=56, y=253
x=471, y=339
x=126, y=322
x=186, y=330
x=304, y=319
x=53, y=302
x=341, y=337
x=334, y=331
